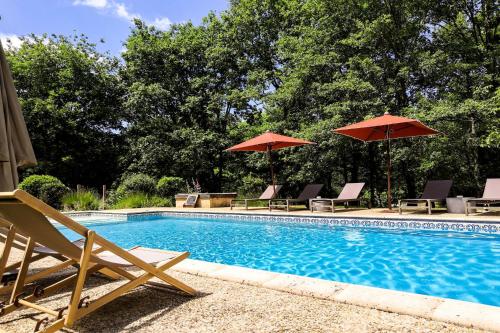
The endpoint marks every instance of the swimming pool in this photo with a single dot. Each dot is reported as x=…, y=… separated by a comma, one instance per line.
x=459, y=265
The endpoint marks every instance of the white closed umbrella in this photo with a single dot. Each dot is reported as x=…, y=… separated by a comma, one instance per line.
x=15, y=144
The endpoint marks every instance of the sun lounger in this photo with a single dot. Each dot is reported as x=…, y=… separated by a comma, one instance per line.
x=350, y=193
x=435, y=191
x=267, y=195
x=11, y=239
x=29, y=215
x=309, y=192
x=491, y=197
x=191, y=201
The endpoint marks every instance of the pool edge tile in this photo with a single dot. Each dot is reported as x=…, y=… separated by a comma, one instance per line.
x=467, y=314
x=305, y=286
x=197, y=267
x=431, y=224
x=401, y=222
x=254, y=277
x=389, y=300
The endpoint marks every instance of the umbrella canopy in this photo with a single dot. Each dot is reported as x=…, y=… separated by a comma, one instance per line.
x=268, y=142
x=386, y=127
x=15, y=144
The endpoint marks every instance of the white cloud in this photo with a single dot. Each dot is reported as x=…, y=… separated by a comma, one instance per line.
x=91, y=3
x=162, y=23
x=11, y=40
x=120, y=9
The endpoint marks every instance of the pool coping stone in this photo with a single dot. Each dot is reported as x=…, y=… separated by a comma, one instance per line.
x=468, y=314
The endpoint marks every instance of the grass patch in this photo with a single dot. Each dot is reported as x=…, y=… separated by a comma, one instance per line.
x=140, y=200
x=82, y=200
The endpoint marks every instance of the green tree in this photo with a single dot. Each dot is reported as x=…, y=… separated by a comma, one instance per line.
x=297, y=67
x=70, y=95
x=183, y=90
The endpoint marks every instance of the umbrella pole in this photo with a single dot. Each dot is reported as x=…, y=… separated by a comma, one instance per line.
x=389, y=195
x=272, y=171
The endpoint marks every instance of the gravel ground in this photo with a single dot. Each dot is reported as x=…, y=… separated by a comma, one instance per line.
x=221, y=307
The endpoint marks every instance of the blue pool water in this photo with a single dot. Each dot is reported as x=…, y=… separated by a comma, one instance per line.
x=464, y=266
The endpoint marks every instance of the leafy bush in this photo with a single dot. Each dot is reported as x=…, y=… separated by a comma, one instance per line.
x=140, y=200
x=46, y=188
x=136, y=183
x=251, y=187
x=83, y=200
x=112, y=198
x=168, y=186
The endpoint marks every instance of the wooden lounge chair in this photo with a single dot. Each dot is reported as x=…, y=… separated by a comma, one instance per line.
x=29, y=215
x=309, y=192
x=267, y=195
x=491, y=197
x=191, y=201
x=12, y=239
x=434, y=191
x=350, y=193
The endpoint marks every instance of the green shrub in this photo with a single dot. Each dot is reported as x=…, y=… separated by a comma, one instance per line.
x=136, y=183
x=46, y=188
x=140, y=200
x=112, y=198
x=168, y=186
x=251, y=187
x=83, y=200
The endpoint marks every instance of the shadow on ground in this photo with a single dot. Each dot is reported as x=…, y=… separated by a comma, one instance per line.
x=128, y=313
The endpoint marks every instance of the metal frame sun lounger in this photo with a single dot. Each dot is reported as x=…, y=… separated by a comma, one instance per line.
x=434, y=191
x=29, y=215
x=310, y=191
x=350, y=193
x=267, y=195
x=491, y=196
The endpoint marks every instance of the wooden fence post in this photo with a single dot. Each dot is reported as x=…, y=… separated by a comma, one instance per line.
x=103, y=196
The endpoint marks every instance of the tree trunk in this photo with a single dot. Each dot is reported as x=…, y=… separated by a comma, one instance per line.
x=473, y=147
x=356, y=156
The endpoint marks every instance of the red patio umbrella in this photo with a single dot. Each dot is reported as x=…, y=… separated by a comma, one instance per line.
x=268, y=142
x=386, y=127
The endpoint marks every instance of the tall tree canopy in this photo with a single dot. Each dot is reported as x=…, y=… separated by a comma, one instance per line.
x=70, y=95
x=299, y=67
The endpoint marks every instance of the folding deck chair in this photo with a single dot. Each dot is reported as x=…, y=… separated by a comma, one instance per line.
x=11, y=239
x=29, y=215
x=489, y=201
x=350, y=193
x=434, y=191
x=269, y=194
x=310, y=191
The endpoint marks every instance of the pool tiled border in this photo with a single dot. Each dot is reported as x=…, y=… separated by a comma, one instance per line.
x=473, y=315
x=486, y=227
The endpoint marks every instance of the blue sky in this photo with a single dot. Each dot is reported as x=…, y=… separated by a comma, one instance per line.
x=106, y=19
